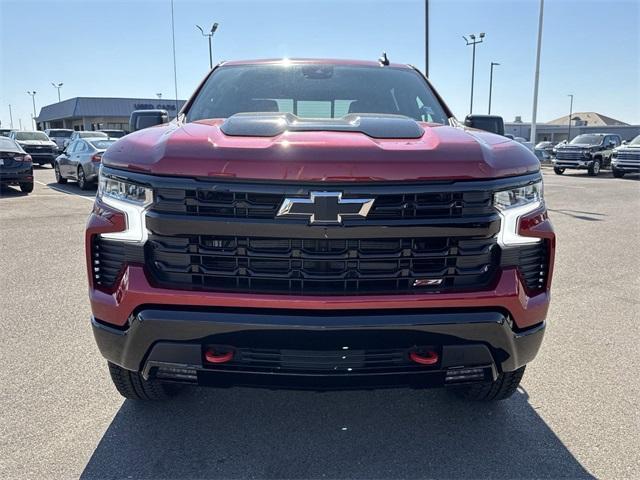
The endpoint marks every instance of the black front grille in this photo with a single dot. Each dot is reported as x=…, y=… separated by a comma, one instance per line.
x=321, y=266
x=387, y=206
x=35, y=149
x=336, y=362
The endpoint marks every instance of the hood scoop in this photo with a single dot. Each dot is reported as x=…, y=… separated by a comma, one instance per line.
x=271, y=124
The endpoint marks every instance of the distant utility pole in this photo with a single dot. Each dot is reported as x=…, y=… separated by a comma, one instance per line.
x=534, y=114
x=473, y=42
x=58, y=86
x=570, y=113
x=33, y=99
x=493, y=64
x=209, y=34
x=20, y=120
x=159, y=95
x=426, y=38
x=10, y=117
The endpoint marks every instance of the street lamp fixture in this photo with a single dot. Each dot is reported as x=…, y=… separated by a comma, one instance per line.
x=473, y=42
x=58, y=86
x=493, y=64
x=209, y=35
x=570, y=113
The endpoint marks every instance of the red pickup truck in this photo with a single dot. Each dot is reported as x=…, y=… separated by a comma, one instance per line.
x=318, y=224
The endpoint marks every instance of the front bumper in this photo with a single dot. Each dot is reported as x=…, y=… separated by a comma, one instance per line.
x=320, y=351
x=573, y=164
x=626, y=166
x=43, y=158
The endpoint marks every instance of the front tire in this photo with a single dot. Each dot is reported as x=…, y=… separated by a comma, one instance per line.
x=594, y=169
x=617, y=173
x=26, y=187
x=558, y=171
x=133, y=386
x=59, y=178
x=505, y=385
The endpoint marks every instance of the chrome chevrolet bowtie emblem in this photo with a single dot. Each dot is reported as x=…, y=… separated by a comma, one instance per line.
x=325, y=207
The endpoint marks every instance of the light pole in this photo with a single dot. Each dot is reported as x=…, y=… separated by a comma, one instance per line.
x=493, y=64
x=10, y=117
x=58, y=86
x=159, y=95
x=536, y=79
x=473, y=41
x=209, y=34
x=426, y=38
x=33, y=99
x=570, y=113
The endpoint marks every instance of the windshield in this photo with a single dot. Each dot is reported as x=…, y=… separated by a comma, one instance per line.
x=60, y=133
x=102, y=144
x=8, y=145
x=635, y=141
x=32, y=136
x=93, y=134
x=316, y=91
x=587, y=139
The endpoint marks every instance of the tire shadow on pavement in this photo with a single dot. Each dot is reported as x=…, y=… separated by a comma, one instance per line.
x=401, y=433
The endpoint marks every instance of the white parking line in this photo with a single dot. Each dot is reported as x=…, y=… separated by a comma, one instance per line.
x=91, y=199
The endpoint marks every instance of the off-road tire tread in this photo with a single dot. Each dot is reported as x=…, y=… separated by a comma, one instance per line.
x=131, y=385
x=505, y=385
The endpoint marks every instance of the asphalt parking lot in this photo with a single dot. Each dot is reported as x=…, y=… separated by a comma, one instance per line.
x=576, y=416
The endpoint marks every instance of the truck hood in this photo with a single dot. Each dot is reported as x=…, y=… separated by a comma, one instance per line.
x=36, y=143
x=201, y=149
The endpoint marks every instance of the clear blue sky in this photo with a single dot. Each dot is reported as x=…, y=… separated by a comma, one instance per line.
x=123, y=48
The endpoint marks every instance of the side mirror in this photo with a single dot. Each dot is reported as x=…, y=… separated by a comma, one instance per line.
x=488, y=123
x=624, y=142
x=147, y=118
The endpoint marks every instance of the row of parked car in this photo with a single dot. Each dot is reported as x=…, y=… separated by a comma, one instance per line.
x=75, y=155
x=593, y=152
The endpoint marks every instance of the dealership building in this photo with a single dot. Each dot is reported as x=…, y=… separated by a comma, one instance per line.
x=581, y=122
x=96, y=113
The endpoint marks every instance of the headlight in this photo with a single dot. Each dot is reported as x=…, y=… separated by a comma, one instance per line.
x=512, y=204
x=131, y=199
x=587, y=154
x=115, y=188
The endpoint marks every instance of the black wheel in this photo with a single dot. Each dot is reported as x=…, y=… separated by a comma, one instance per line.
x=617, y=173
x=594, y=169
x=59, y=177
x=558, y=170
x=131, y=385
x=505, y=385
x=26, y=187
x=82, y=181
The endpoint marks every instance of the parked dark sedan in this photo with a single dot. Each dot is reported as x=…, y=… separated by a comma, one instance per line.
x=16, y=167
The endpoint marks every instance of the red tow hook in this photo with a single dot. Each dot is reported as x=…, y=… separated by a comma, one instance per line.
x=211, y=356
x=424, y=358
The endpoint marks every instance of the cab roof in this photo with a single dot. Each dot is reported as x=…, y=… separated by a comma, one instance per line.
x=302, y=61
